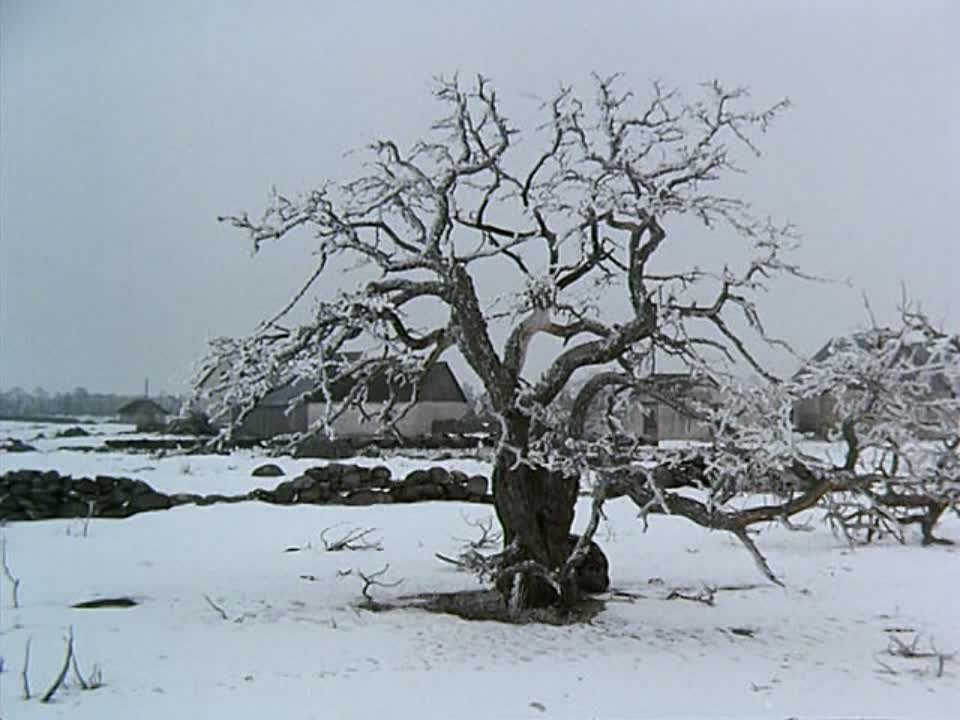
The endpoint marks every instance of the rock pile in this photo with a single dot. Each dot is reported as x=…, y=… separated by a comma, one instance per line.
x=36, y=495
x=355, y=485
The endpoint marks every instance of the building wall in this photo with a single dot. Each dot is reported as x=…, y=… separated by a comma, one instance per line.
x=656, y=420
x=814, y=415
x=267, y=421
x=672, y=425
x=418, y=420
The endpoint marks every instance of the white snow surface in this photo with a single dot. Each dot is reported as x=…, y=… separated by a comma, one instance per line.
x=295, y=645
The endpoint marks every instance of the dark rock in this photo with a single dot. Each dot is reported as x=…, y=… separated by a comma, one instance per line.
x=15, y=445
x=72, y=432
x=74, y=509
x=593, y=573
x=84, y=486
x=477, y=485
x=262, y=495
x=317, y=473
x=419, y=493
x=268, y=470
x=149, y=501
x=9, y=502
x=105, y=484
x=285, y=493
x=137, y=487
x=119, y=602
x=302, y=482
x=439, y=476
x=324, y=448
x=366, y=496
x=380, y=476
x=114, y=511
x=455, y=492
x=317, y=494
x=354, y=478
x=183, y=499
x=417, y=477
x=331, y=473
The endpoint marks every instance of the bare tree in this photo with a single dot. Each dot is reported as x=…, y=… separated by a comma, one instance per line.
x=895, y=398
x=583, y=216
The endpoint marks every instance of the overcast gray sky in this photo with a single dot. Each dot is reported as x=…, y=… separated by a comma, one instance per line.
x=126, y=127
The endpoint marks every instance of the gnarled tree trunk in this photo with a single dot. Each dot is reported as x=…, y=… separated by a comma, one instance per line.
x=535, y=507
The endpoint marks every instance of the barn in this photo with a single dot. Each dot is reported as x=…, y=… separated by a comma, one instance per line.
x=144, y=413
x=661, y=410
x=817, y=414
x=440, y=398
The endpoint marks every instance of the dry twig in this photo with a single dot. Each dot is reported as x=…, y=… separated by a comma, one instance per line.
x=220, y=611
x=352, y=540
x=369, y=581
x=58, y=682
x=24, y=676
x=489, y=537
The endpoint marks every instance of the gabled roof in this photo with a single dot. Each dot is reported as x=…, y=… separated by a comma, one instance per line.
x=141, y=406
x=438, y=385
x=908, y=354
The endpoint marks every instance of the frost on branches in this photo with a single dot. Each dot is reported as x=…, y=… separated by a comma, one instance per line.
x=577, y=212
x=895, y=399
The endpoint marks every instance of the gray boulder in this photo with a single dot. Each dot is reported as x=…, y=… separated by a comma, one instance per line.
x=268, y=470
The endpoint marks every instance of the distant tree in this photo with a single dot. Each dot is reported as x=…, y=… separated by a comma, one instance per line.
x=578, y=218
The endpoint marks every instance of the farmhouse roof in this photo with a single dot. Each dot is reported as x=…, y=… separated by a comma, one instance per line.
x=141, y=406
x=913, y=353
x=438, y=385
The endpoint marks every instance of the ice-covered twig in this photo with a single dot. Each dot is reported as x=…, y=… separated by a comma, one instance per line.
x=25, y=673
x=14, y=581
x=48, y=695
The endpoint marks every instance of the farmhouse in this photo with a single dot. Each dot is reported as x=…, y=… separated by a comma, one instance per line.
x=817, y=414
x=144, y=413
x=440, y=398
x=663, y=410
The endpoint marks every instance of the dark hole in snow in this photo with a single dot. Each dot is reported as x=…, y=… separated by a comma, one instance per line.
x=116, y=602
x=292, y=549
x=743, y=632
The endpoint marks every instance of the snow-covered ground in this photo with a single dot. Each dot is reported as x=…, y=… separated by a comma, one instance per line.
x=295, y=645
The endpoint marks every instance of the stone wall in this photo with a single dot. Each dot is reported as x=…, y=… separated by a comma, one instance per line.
x=36, y=495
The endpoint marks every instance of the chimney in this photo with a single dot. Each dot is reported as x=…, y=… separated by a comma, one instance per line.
x=146, y=387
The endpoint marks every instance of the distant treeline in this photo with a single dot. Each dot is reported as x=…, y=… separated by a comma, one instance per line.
x=18, y=403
